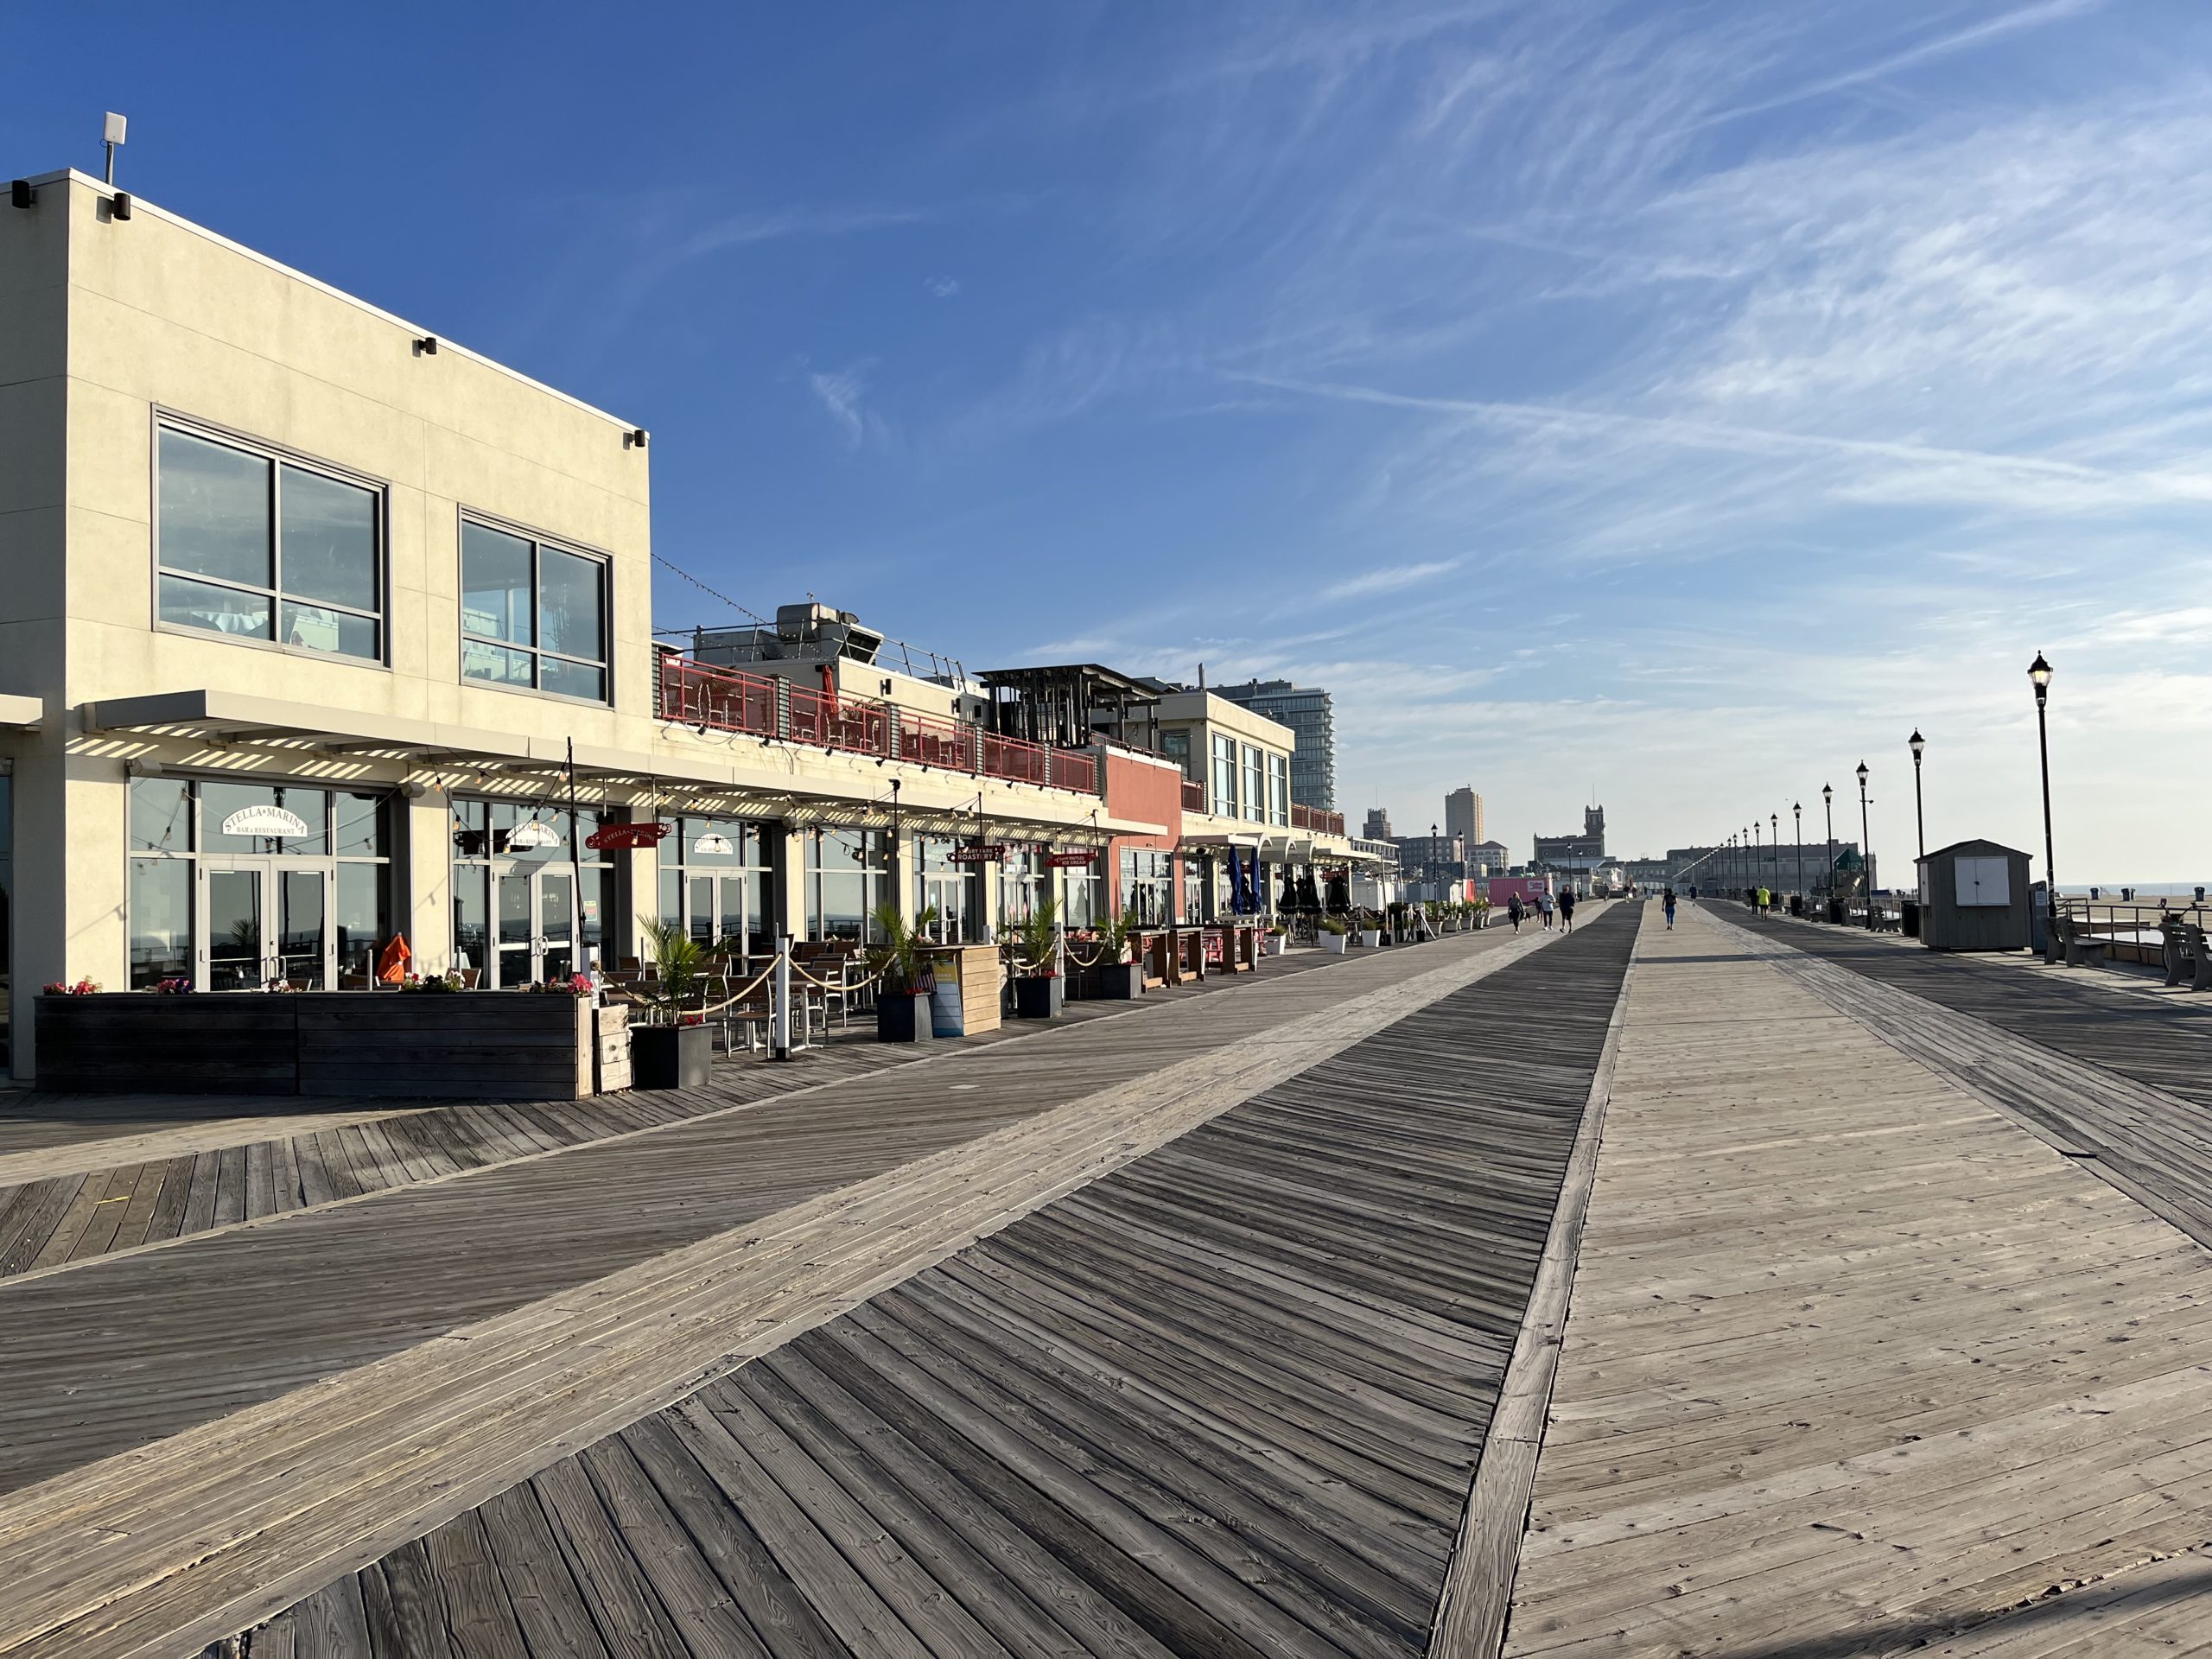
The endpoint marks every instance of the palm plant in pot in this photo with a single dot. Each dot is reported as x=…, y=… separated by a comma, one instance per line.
x=1038, y=991
x=1331, y=931
x=674, y=1046
x=1119, y=978
x=902, y=1000
x=1370, y=928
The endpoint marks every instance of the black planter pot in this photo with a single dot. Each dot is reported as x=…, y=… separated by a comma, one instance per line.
x=670, y=1056
x=902, y=1017
x=1121, y=981
x=1039, y=999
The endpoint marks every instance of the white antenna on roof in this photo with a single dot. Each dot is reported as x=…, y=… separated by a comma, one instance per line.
x=113, y=134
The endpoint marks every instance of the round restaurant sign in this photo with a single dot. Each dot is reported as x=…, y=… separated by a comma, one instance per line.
x=267, y=820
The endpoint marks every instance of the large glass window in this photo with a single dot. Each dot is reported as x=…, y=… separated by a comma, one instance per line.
x=1279, y=788
x=714, y=882
x=532, y=902
x=533, y=614
x=262, y=548
x=954, y=891
x=847, y=876
x=1021, y=885
x=1147, y=886
x=1083, y=895
x=236, y=883
x=1255, y=787
x=1225, y=776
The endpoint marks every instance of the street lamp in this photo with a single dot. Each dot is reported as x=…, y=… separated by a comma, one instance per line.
x=1774, y=845
x=2040, y=676
x=1866, y=848
x=1797, y=852
x=1758, y=862
x=1918, y=745
x=1827, y=803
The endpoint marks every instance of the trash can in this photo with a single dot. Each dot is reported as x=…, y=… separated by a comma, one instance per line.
x=1835, y=912
x=1911, y=921
x=1796, y=904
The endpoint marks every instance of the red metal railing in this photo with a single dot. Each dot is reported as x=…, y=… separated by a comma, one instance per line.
x=691, y=693
x=1194, y=796
x=724, y=700
x=1312, y=817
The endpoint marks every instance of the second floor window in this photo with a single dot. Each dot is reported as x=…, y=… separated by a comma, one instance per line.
x=533, y=614
x=1255, y=788
x=1224, y=777
x=258, y=547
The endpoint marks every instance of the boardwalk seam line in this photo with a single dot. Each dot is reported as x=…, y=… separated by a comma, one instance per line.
x=1478, y=1594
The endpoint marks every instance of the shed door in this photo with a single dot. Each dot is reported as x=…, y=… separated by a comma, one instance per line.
x=1985, y=881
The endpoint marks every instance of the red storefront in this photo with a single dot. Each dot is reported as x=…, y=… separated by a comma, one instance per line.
x=1141, y=869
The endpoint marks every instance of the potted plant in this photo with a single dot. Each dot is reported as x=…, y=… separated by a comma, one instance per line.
x=1274, y=938
x=1370, y=928
x=902, y=1000
x=674, y=1046
x=1332, y=935
x=1039, y=992
x=1119, y=977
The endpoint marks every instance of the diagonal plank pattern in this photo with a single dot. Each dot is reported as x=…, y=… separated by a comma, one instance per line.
x=2154, y=1144
x=1222, y=1401
x=207, y=1529
x=1853, y=1360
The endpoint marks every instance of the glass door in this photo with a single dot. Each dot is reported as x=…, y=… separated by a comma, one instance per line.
x=303, y=939
x=232, y=958
x=264, y=922
x=557, y=923
x=517, y=931
x=536, y=921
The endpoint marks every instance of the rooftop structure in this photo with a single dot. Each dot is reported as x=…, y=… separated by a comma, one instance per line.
x=1310, y=712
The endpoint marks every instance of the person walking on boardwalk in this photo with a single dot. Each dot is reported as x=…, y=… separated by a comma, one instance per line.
x=1513, y=912
x=1567, y=910
x=1763, y=901
x=1544, y=908
x=1667, y=904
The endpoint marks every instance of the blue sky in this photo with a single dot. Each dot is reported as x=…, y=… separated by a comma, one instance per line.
x=1682, y=401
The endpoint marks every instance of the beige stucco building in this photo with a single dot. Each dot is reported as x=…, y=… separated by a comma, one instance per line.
x=317, y=631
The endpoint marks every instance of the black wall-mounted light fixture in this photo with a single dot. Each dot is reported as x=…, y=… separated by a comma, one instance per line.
x=427, y=346
x=118, y=204
x=22, y=194
x=634, y=438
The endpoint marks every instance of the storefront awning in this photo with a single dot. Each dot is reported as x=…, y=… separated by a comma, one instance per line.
x=21, y=712
x=935, y=801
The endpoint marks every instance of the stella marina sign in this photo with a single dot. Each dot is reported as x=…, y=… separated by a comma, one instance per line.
x=269, y=823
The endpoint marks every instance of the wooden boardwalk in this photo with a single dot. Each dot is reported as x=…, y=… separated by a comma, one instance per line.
x=1224, y=1400
x=1857, y=1364
x=200, y=1430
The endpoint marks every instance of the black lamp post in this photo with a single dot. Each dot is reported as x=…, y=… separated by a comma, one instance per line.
x=2040, y=676
x=1866, y=848
x=1919, y=746
x=1797, y=851
x=1758, y=861
x=1774, y=845
x=1827, y=804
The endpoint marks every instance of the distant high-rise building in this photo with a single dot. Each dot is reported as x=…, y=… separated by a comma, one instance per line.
x=1463, y=816
x=1378, y=824
x=1312, y=715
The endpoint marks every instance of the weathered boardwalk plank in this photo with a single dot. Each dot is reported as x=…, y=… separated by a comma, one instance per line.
x=719, y=1237
x=1134, y=1422
x=1853, y=1362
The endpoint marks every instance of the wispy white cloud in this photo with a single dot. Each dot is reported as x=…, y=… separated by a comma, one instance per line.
x=842, y=393
x=943, y=287
x=1391, y=579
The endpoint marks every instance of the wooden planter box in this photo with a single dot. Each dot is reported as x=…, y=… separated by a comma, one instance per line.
x=455, y=1046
